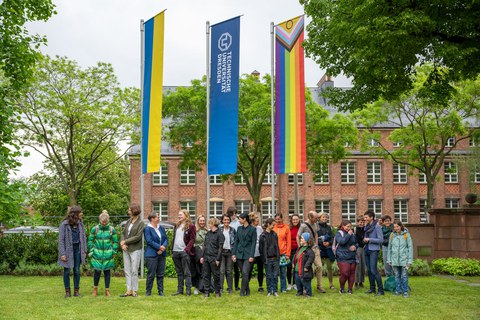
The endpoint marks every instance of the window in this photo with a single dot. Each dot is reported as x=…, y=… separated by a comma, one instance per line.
x=162, y=209
x=267, y=209
x=216, y=209
x=291, y=178
x=347, y=144
x=400, y=208
x=161, y=177
x=348, y=172
x=215, y=179
x=349, y=210
x=239, y=179
x=473, y=142
x=477, y=175
x=268, y=177
x=422, y=178
x=374, y=172
x=243, y=206
x=397, y=144
x=451, y=172
x=452, y=203
x=399, y=173
x=187, y=176
x=423, y=210
x=373, y=143
x=450, y=142
x=323, y=178
x=188, y=205
x=375, y=206
x=322, y=206
x=291, y=207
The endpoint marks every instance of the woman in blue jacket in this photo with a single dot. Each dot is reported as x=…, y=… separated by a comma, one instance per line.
x=155, y=253
x=345, y=246
x=244, y=251
x=373, y=241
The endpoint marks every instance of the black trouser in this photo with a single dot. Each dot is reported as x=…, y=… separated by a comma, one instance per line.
x=290, y=275
x=96, y=278
x=182, y=267
x=155, y=269
x=209, y=267
x=236, y=274
x=244, y=265
x=260, y=272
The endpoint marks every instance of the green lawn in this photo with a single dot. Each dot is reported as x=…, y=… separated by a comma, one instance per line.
x=43, y=298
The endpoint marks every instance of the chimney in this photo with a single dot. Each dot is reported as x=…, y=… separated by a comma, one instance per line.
x=255, y=73
x=324, y=82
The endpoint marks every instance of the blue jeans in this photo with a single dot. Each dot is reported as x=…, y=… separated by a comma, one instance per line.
x=371, y=259
x=283, y=278
x=302, y=284
x=272, y=275
x=76, y=269
x=401, y=279
x=386, y=267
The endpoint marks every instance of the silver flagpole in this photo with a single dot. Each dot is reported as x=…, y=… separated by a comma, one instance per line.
x=142, y=200
x=272, y=120
x=208, y=115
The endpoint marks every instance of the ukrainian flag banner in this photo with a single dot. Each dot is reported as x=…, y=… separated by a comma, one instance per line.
x=152, y=93
x=224, y=82
x=290, y=142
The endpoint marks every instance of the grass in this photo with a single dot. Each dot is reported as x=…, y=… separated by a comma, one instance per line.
x=43, y=298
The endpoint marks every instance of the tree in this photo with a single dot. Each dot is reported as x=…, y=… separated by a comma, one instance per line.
x=423, y=126
x=378, y=44
x=186, y=110
x=75, y=118
x=18, y=53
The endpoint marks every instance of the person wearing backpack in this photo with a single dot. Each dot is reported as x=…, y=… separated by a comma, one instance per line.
x=400, y=256
x=103, y=244
x=345, y=249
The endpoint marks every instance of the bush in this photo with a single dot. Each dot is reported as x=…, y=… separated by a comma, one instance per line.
x=420, y=268
x=457, y=266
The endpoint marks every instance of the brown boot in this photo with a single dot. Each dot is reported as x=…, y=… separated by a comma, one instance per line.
x=67, y=293
x=107, y=292
x=95, y=291
x=75, y=292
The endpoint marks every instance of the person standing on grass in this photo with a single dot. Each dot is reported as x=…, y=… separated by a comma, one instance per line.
x=211, y=258
x=294, y=226
x=303, y=265
x=387, y=228
x=234, y=223
x=244, y=251
x=255, y=220
x=155, y=253
x=131, y=243
x=72, y=249
x=285, y=245
x=311, y=226
x=345, y=247
x=196, y=266
x=325, y=240
x=360, y=270
x=400, y=257
x=183, y=249
x=373, y=240
x=270, y=254
x=226, y=265
x=102, y=244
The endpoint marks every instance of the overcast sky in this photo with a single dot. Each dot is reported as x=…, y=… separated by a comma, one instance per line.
x=89, y=31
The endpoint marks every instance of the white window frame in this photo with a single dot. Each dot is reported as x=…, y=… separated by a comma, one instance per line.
x=450, y=170
x=374, y=172
x=423, y=210
x=399, y=173
x=476, y=178
x=291, y=207
x=239, y=179
x=400, y=209
x=216, y=209
x=397, y=144
x=349, y=210
x=373, y=143
x=422, y=178
x=188, y=175
x=376, y=205
x=216, y=179
x=161, y=207
x=322, y=206
x=267, y=179
x=243, y=206
x=291, y=178
x=160, y=178
x=267, y=209
x=324, y=178
x=452, y=203
x=348, y=172
x=191, y=206
x=450, y=142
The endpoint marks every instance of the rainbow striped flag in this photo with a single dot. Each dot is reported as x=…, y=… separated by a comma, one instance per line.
x=152, y=93
x=290, y=145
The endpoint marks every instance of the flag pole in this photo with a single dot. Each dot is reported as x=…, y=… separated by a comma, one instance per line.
x=272, y=120
x=208, y=112
x=142, y=200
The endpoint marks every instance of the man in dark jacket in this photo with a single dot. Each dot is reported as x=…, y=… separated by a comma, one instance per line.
x=270, y=254
x=360, y=270
x=212, y=256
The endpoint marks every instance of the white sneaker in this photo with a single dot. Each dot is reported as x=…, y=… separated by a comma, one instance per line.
x=195, y=291
x=294, y=287
x=269, y=294
x=289, y=287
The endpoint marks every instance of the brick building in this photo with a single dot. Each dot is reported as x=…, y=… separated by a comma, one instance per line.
x=348, y=188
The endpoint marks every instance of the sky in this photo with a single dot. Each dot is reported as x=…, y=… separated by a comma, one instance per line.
x=90, y=31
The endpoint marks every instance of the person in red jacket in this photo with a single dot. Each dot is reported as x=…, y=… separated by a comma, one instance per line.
x=294, y=226
x=183, y=248
x=285, y=245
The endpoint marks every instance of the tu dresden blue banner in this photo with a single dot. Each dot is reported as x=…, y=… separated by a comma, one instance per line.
x=223, y=122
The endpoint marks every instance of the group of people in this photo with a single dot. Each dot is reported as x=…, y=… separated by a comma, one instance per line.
x=207, y=253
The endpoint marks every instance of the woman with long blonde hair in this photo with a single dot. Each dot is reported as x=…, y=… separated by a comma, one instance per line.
x=183, y=249
x=201, y=232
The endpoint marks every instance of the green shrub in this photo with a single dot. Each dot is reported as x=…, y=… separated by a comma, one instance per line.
x=170, y=268
x=420, y=268
x=457, y=266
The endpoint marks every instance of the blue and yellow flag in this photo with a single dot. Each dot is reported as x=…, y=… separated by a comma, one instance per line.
x=152, y=93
